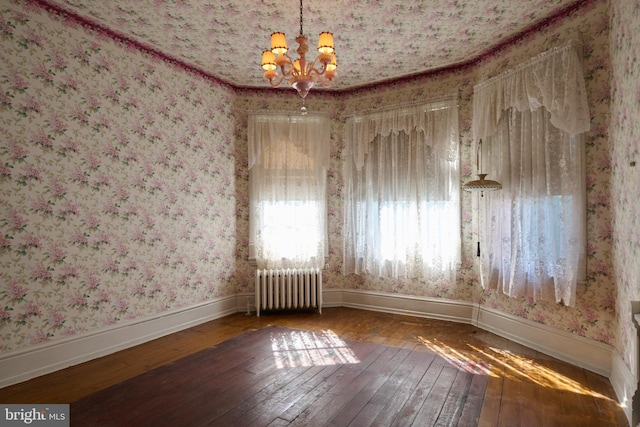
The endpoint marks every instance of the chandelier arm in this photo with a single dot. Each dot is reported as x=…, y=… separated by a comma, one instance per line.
x=314, y=71
x=286, y=72
x=287, y=67
x=277, y=82
x=311, y=68
x=320, y=78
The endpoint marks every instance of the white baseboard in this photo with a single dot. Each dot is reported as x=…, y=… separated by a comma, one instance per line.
x=332, y=298
x=26, y=364
x=582, y=352
x=574, y=349
x=571, y=348
x=434, y=308
x=624, y=383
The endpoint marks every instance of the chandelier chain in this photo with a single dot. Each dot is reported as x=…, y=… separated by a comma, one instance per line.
x=301, y=33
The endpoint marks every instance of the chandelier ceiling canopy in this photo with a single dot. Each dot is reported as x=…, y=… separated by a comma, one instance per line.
x=301, y=74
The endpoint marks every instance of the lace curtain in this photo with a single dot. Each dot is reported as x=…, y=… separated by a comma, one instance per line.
x=288, y=162
x=402, y=200
x=534, y=229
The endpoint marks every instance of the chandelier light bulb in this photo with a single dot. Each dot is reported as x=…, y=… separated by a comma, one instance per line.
x=325, y=43
x=279, y=44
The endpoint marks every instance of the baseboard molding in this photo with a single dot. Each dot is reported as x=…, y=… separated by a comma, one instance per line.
x=579, y=351
x=332, y=298
x=574, y=349
x=624, y=383
x=26, y=364
x=433, y=308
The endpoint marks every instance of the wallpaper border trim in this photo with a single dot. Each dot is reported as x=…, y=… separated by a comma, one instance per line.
x=23, y=365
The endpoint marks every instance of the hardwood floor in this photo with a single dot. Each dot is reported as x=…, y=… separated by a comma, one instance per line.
x=524, y=388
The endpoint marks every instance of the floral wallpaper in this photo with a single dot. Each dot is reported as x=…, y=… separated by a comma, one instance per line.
x=625, y=166
x=117, y=197
x=125, y=188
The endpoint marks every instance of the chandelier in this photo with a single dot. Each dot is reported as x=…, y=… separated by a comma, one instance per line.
x=300, y=74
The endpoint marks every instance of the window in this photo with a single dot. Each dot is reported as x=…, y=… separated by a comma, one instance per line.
x=405, y=225
x=535, y=227
x=402, y=200
x=290, y=228
x=288, y=161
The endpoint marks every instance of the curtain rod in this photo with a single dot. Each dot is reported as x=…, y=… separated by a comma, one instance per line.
x=287, y=113
x=572, y=44
x=422, y=102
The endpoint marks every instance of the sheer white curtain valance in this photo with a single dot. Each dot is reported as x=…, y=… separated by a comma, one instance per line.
x=310, y=133
x=553, y=80
x=288, y=162
x=362, y=129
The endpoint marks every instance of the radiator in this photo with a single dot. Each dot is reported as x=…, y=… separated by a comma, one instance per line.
x=288, y=289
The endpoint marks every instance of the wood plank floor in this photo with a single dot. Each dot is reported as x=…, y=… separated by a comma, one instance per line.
x=524, y=388
x=289, y=376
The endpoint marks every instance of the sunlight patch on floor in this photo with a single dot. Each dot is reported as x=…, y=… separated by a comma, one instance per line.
x=306, y=348
x=456, y=358
x=502, y=363
x=527, y=369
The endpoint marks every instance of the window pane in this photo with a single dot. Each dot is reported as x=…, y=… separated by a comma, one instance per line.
x=290, y=229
